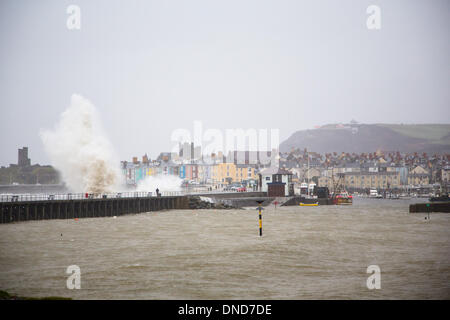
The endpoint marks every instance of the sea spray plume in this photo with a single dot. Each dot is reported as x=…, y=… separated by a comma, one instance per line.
x=80, y=151
x=164, y=183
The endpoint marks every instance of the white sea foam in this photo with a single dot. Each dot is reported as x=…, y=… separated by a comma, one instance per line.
x=162, y=182
x=79, y=149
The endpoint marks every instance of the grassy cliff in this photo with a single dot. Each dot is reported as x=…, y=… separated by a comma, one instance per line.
x=430, y=138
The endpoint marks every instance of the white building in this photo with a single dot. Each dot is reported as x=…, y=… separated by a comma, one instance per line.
x=276, y=182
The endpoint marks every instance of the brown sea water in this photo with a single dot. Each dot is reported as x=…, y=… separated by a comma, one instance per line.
x=305, y=253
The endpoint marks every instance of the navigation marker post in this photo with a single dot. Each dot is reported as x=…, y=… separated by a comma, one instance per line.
x=260, y=216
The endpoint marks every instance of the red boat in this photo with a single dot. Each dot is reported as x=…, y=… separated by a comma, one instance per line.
x=342, y=198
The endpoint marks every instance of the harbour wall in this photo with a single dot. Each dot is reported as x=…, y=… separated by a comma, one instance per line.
x=232, y=195
x=86, y=208
x=430, y=207
x=295, y=201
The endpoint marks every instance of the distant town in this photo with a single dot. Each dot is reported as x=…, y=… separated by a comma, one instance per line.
x=356, y=172
x=400, y=172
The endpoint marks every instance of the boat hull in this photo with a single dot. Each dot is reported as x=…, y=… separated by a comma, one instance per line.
x=343, y=201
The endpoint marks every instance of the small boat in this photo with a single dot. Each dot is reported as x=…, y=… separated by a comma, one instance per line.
x=392, y=196
x=340, y=196
x=342, y=199
x=374, y=194
x=441, y=198
x=308, y=204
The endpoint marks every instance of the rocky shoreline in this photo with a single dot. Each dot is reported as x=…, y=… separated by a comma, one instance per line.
x=197, y=203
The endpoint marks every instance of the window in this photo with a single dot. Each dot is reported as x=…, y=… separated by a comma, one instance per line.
x=276, y=178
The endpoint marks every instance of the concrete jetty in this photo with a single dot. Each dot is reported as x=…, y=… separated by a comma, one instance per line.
x=430, y=207
x=25, y=207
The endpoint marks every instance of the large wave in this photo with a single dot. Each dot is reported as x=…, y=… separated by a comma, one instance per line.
x=79, y=149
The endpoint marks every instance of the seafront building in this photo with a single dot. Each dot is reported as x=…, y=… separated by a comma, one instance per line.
x=227, y=173
x=212, y=170
x=356, y=172
x=372, y=180
x=445, y=175
x=276, y=182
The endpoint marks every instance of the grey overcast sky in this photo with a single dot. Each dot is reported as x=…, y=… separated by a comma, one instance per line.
x=151, y=67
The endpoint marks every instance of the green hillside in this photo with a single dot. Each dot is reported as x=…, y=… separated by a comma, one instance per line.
x=434, y=133
x=358, y=138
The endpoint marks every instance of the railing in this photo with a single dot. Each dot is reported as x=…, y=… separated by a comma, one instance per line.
x=117, y=195
x=80, y=196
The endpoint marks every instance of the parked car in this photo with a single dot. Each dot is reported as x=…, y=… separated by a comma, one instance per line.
x=241, y=189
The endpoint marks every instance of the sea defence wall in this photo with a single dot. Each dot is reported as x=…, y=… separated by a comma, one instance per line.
x=248, y=201
x=294, y=201
x=430, y=207
x=238, y=199
x=233, y=195
x=86, y=208
x=76, y=206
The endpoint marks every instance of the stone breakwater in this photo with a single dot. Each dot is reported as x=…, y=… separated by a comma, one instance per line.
x=196, y=202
